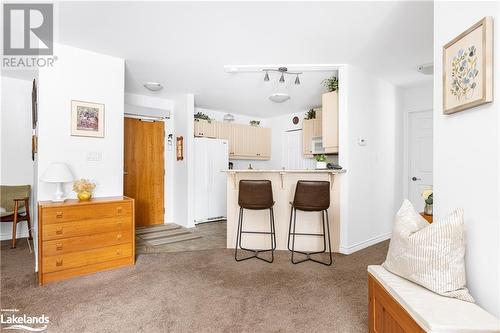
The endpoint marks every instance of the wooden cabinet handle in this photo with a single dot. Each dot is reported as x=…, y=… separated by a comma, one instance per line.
x=59, y=246
x=59, y=231
x=119, y=209
x=118, y=252
x=119, y=236
x=59, y=215
x=59, y=262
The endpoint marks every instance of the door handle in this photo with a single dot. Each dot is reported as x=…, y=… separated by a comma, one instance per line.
x=415, y=178
x=125, y=173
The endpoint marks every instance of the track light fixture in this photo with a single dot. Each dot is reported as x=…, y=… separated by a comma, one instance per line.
x=283, y=71
x=297, y=80
x=266, y=77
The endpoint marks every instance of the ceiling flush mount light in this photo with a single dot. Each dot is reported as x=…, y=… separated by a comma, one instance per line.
x=279, y=97
x=153, y=86
x=283, y=71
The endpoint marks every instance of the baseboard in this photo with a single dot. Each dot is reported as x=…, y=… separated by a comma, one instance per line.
x=8, y=235
x=364, y=244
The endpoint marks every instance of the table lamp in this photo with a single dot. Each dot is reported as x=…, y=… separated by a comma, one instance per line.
x=58, y=173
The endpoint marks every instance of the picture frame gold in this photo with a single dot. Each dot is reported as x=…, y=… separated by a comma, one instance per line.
x=87, y=119
x=468, y=68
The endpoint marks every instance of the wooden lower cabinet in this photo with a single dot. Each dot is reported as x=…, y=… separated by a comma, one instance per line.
x=77, y=238
x=385, y=314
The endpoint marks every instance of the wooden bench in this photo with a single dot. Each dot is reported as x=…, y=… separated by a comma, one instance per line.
x=397, y=305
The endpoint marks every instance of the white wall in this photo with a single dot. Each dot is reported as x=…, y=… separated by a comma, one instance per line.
x=85, y=76
x=466, y=157
x=183, y=170
x=371, y=190
x=16, y=131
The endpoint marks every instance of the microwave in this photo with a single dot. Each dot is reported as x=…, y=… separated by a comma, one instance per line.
x=317, y=145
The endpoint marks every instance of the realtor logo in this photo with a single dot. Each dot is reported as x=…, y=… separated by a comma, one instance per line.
x=28, y=29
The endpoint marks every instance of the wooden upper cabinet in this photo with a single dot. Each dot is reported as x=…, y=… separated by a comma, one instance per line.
x=245, y=142
x=330, y=122
x=204, y=128
x=307, y=135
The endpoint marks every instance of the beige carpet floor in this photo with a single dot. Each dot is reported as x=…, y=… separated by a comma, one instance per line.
x=199, y=291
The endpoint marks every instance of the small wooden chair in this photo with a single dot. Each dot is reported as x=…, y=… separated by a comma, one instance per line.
x=15, y=207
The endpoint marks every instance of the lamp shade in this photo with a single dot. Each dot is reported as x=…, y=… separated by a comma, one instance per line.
x=57, y=173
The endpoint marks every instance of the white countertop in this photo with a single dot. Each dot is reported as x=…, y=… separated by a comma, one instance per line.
x=285, y=171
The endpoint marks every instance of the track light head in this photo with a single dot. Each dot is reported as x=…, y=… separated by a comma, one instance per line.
x=266, y=77
x=282, y=78
x=297, y=80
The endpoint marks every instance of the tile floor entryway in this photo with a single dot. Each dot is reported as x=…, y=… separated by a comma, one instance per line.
x=212, y=236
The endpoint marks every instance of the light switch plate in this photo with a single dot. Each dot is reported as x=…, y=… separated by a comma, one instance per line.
x=94, y=156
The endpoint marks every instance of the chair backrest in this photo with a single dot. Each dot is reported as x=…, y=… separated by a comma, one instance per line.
x=9, y=193
x=312, y=196
x=255, y=194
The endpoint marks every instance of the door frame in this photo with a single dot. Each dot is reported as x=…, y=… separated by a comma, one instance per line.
x=167, y=191
x=406, y=147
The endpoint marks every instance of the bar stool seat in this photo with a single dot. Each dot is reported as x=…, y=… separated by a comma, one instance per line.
x=255, y=195
x=311, y=196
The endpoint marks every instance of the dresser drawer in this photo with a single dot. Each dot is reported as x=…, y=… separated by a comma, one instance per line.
x=82, y=243
x=69, y=213
x=78, y=259
x=85, y=227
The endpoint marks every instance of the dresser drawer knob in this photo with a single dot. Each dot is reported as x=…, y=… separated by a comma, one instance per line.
x=118, y=252
x=59, y=246
x=119, y=209
x=59, y=231
x=59, y=215
x=119, y=236
x=59, y=262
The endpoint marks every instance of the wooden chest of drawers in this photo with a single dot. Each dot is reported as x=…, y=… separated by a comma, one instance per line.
x=77, y=238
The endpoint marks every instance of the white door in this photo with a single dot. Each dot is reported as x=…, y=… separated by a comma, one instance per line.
x=419, y=156
x=292, y=153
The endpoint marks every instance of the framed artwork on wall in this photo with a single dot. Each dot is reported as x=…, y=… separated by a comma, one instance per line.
x=468, y=68
x=87, y=119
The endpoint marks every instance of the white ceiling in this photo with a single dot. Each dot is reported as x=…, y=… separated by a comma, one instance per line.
x=186, y=45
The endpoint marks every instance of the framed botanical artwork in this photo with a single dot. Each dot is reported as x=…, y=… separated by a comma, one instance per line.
x=468, y=68
x=87, y=119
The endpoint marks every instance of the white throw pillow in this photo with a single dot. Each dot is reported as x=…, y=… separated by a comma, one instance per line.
x=431, y=255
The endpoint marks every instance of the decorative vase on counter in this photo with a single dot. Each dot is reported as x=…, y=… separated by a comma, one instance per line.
x=84, y=196
x=83, y=189
x=320, y=165
x=428, y=209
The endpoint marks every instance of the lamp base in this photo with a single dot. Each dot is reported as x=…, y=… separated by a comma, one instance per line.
x=59, y=193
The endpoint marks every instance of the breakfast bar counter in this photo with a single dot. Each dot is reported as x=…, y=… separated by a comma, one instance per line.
x=283, y=184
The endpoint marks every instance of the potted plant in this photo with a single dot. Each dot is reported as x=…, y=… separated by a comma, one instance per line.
x=83, y=189
x=321, y=160
x=331, y=84
x=255, y=123
x=311, y=114
x=201, y=115
x=428, y=196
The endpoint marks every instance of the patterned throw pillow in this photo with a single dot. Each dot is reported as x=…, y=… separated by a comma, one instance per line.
x=431, y=255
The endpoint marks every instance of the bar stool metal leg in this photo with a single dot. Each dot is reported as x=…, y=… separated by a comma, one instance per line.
x=324, y=234
x=240, y=231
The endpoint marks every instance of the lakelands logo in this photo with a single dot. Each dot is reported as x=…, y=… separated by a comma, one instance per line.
x=28, y=35
x=23, y=322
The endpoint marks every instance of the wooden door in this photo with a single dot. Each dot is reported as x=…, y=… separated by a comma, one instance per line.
x=419, y=156
x=144, y=171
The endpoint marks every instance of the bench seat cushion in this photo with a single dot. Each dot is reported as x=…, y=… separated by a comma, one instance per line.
x=432, y=312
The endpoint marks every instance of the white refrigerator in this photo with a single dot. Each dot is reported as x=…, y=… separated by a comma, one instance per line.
x=211, y=156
